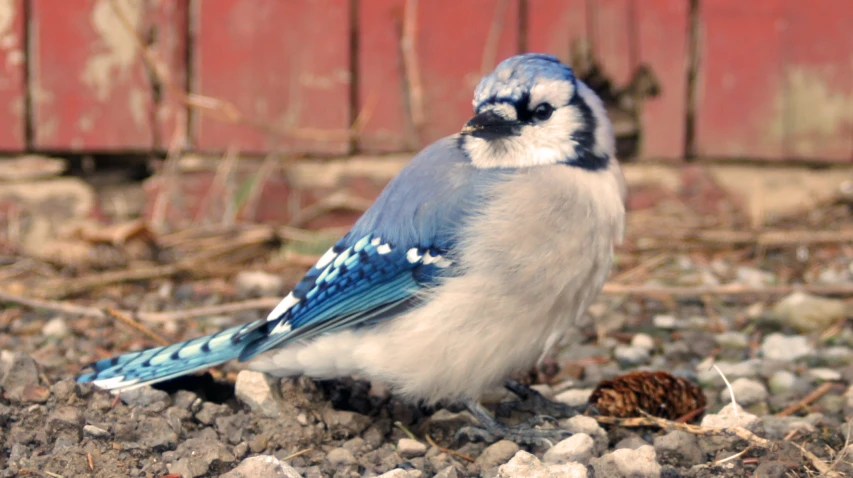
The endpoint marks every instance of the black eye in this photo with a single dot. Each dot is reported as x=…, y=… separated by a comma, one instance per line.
x=543, y=111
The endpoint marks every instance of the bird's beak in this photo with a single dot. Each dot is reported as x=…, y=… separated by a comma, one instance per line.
x=490, y=125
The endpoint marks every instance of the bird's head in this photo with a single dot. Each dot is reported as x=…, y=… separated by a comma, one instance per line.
x=531, y=111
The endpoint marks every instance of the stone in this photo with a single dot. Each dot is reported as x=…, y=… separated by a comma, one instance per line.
x=666, y=322
x=776, y=428
x=727, y=417
x=628, y=463
x=808, y=313
x=575, y=397
x=643, y=341
x=195, y=457
x=497, y=454
x=753, y=277
x=408, y=448
x=258, y=283
x=568, y=470
x=631, y=356
x=95, y=432
x=18, y=372
x=781, y=382
x=632, y=442
x=777, y=346
x=266, y=466
x=589, y=426
x=523, y=464
x=345, y=424
x=339, y=457
x=209, y=412
x=708, y=375
x=747, y=392
x=65, y=418
x=254, y=389
x=679, y=448
x=55, y=328
x=732, y=340
x=578, y=448
x=448, y=472
x=770, y=469
x=146, y=397
x=824, y=375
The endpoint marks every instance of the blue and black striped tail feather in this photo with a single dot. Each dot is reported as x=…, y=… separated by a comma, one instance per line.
x=159, y=364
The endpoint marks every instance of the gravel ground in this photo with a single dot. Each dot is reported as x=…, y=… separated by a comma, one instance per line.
x=234, y=423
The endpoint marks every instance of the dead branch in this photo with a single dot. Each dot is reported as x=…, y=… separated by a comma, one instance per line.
x=807, y=400
x=135, y=325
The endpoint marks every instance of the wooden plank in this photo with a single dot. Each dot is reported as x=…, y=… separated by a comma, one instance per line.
x=740, y=80
x=12, y=81
x=455, y=44
x=661, y=41
x=89, y=86
x=558, y=27
x=169, y=21
x=611, y=33
x=283, y=64
x=818, y=80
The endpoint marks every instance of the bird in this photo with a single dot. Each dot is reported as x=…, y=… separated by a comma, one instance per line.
x=473, y=261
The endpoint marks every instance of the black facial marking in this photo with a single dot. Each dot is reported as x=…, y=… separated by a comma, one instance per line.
x=585, y=138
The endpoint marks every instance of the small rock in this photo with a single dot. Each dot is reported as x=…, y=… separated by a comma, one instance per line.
x=196, y=455
x=631, y=356
x=808, y=313
x=55, y=328
x=155, y=433
x=575, y=397
x=589, y=426
x=708, y=375
x=835, y=356
x=253, y=389
x=727, y=417
x=408, y=448
x=632, y=442
x=679, y=448
x=258, y=283
x=146, y=397
x=777, y=428
x=95, y=432
x=577, y=448
x=732, y=340
x=781, y=382
x=747, y=392
x=17, y=371
x=665, y=322
x=523, y=464
x=345, y=424
x=401, y=473
x=209, y=412
x=787, y=348
x=627, y=463
x=825, y=374
x=339, y=457
x=568, y=470
x=643, y=341
x=65, y=418
x=449, y=472
x=496, y=454
x=266, y=466
x=753, y=277
x=770, y=469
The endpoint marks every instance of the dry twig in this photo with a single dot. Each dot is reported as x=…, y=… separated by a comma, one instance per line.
x=129, y=321
x=807, y=400
x=447, y=450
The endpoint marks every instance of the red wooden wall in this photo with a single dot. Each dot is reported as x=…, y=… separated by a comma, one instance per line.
x=774, y=78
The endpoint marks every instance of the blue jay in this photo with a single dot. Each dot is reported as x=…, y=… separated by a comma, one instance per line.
x=472, y=262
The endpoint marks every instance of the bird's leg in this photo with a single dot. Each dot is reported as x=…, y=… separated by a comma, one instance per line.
x=491, y=430
x=532, y=401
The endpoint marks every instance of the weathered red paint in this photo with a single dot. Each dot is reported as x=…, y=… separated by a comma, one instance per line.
x=661, y=44
x=169, y=20
x=776, y=80
x=283, y=64
x=558, y=27
x=453, y=50
x=12, y=80
x=89, y=85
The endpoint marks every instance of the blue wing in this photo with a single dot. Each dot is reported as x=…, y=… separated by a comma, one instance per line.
x=401, y=245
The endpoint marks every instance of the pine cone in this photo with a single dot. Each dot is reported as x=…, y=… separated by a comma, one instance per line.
x=657, y=393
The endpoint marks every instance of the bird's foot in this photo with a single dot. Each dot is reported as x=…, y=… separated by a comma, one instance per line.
x=527, y=433
x=532, y=401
